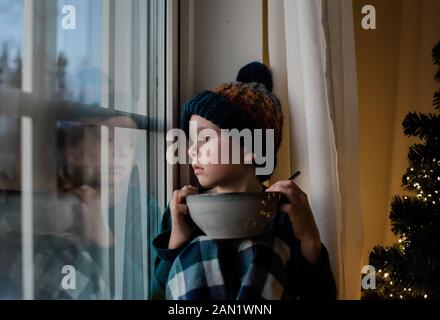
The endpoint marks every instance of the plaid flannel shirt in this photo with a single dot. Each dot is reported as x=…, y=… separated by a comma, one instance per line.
x=51, y=254
x=269, y=267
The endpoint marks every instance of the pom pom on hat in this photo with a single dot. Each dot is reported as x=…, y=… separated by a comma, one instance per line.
x=256, y=72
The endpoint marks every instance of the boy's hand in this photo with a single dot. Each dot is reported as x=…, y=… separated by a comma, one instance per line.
x=301, y=218
x=94, y=228
x=182, y=225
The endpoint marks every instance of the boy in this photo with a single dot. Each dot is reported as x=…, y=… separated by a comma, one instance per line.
x=288, y=261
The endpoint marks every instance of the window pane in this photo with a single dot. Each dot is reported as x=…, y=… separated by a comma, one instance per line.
x=11, y=12
x=79, y=51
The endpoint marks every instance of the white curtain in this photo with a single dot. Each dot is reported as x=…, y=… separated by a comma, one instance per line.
x=312, y=56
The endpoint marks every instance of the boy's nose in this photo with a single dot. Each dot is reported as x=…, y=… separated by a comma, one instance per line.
x=192, y=151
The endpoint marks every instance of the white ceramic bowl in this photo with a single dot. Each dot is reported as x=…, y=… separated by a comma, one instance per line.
x=233, y=215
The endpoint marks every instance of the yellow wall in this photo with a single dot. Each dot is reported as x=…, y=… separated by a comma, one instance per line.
x=376, y=52
x=395, y=76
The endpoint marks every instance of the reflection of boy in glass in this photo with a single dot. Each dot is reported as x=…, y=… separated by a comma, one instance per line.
x=80, y=161
x=53, y=247
x=80, y=170
x=80, y=174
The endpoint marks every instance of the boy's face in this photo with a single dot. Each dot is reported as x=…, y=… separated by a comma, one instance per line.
x=83, y=158
x=206, y=148
x=122, y=145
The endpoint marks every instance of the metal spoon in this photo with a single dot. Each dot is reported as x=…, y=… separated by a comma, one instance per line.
x=295, y=175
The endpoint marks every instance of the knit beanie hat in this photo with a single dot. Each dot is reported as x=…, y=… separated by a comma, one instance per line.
x=247, y=103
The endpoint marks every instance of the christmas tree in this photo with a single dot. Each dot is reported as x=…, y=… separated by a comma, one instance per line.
x=410, y=269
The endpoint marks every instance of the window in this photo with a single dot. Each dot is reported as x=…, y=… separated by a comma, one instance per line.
x=11, y=21
x=80, y=74
x=83, y=174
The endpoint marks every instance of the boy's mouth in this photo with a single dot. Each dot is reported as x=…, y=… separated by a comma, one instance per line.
x=197, y=169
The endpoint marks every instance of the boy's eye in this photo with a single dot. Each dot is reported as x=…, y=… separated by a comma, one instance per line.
x=206, y=138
